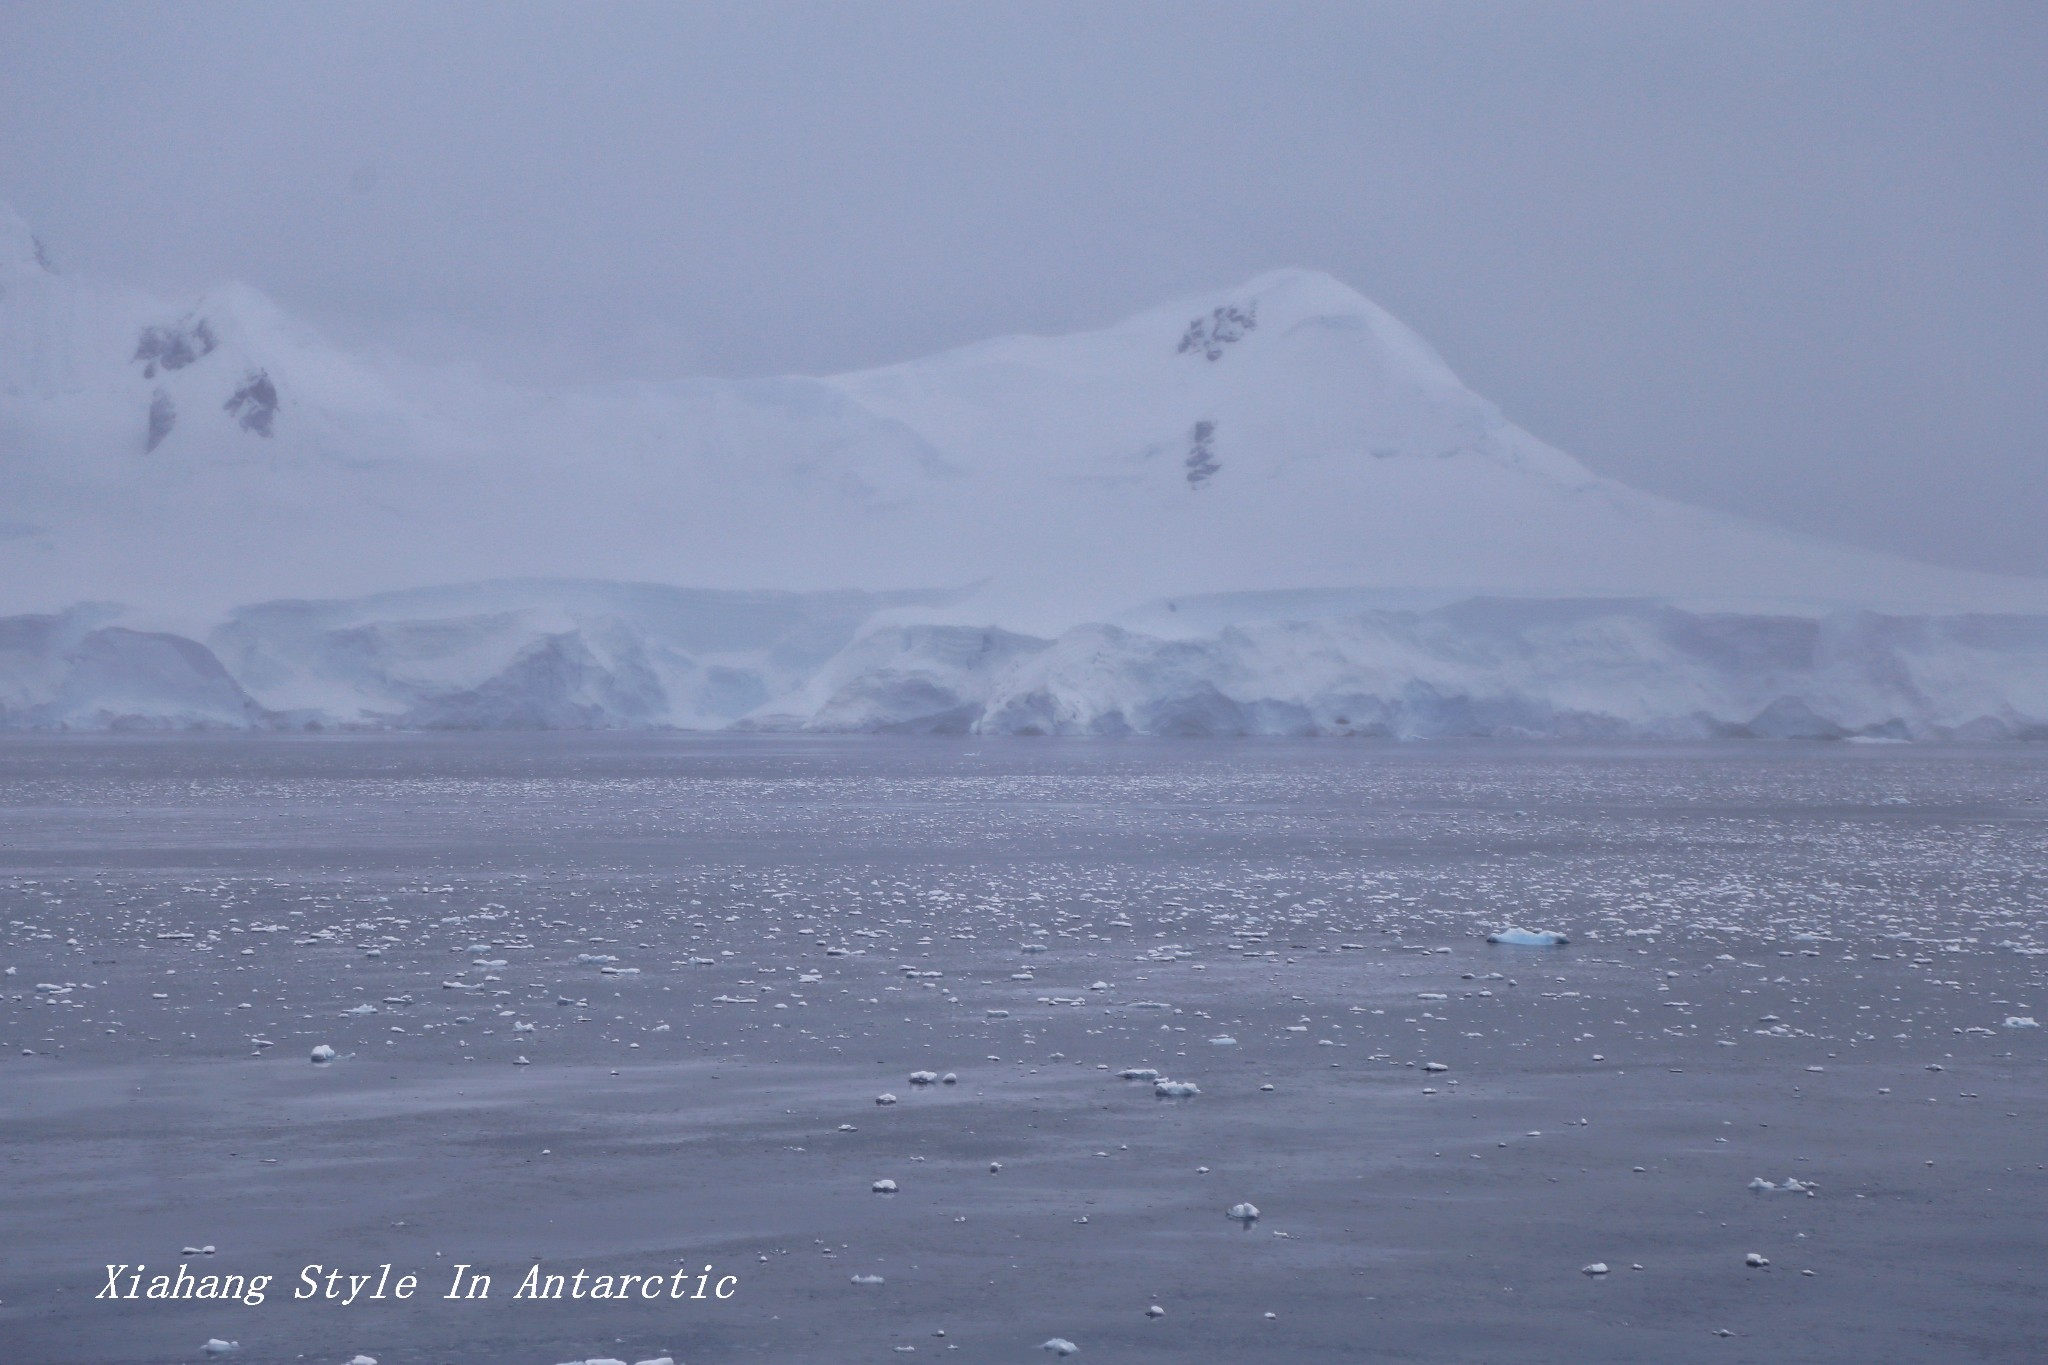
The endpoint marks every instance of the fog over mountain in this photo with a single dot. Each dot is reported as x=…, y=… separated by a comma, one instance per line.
x=1272, y=508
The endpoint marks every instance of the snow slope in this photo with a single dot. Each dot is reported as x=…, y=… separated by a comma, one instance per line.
x=1271, y=509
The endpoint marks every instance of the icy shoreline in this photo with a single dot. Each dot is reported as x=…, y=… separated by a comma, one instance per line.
x=590, y=655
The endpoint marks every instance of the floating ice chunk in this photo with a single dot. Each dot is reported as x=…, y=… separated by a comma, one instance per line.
x=994, y=1166
x=658, y=1360
x=216, y=1347
x=924, y=1078
x=1597, y=1268
x=1245, y=1213
x=867, y=1279
x=1059, y=1346
x=1176, y=1090
x=1529, y=938
x=1138, y=1073
x=949, y=1079
x=1155, y=1311
x=364, y=1360
x=998, y=1014
x=365, y=1008
x=1434, y=1066
x=883, y=1187
x=322, y=1054
x=1223, y=1040
x=2020, y=1021
x=1756, y=1262
x=885, y=1098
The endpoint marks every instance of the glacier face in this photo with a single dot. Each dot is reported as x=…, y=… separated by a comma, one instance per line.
x=541, y=655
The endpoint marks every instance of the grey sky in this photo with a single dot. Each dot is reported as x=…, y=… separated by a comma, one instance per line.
x=1789, y=260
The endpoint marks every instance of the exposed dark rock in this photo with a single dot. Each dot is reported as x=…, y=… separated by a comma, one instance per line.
x=173, y=348
x=254, y=404
x=1201, y=461
x=163, y=415
x=1225, y=325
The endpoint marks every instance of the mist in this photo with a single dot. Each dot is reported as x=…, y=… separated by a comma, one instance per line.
x=1785, y=261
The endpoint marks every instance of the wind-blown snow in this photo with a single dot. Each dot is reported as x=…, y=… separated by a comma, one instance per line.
x=1271, y=510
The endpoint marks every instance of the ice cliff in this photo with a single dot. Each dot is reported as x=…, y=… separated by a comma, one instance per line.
x=535, y=655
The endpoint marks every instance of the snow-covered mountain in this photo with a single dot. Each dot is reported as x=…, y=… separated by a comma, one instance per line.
x=1247, y=512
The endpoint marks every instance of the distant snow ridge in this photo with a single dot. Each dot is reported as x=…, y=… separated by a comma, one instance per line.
x=594, y=655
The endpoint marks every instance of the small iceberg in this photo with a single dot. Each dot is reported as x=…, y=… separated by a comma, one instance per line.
x=322, y=1055
x=1529, y=938
x=1059, y=1346
x=1175, y=1090
x=2020, y=1021
x=1245, y=1213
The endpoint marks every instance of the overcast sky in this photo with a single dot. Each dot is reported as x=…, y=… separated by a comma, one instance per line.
x=1790, y=260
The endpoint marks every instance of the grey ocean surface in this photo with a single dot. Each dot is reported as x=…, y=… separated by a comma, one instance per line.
x=626, y=1004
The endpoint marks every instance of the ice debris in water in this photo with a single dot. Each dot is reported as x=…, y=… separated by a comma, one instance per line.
x=867, y=1279
x=216, y=1347
x=924, y=1077
x=1597, y=1268
x=1756, y=1262
x=1138, y=1073
x=1178, y=1090
x=1155, y=1311
x=885, y=1098
x=1244, y=1213
x=2020, y=1021
x=323, y=1053
x=883, y=1187
x=1223, y=1040
x=1059, y=1346
x=1529, y=938
x=363, y=1360
x=1791, y=1186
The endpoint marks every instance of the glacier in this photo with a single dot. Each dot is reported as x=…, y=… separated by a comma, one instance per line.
x=1271, y=510
x=595, y=655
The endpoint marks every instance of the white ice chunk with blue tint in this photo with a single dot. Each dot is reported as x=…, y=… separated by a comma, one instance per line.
x=1529, y=938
